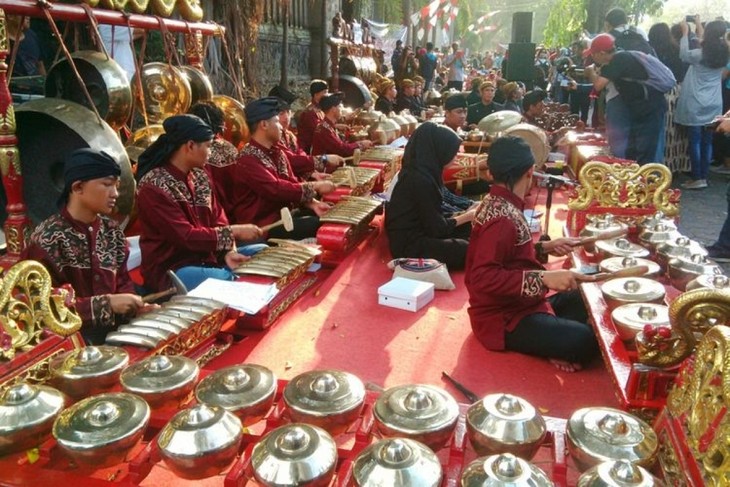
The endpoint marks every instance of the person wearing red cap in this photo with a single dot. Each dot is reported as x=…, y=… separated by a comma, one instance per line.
x=634, y=110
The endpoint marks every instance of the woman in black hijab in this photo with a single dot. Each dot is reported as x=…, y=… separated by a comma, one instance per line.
x=413, y=219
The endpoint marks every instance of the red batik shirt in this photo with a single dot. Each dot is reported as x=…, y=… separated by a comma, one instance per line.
x=307, y=123
x=259, y=185
x=328, y=141
x=182, y=223
x=302, y=164
x=91, y=257
x=502, y=271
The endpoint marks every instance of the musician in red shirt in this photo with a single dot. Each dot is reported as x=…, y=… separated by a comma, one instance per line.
x=262, y=181
x=311, y=116
x=83, y=247
x=305, y=167
x=184, y=229
x=508, y=286
x=326, y=138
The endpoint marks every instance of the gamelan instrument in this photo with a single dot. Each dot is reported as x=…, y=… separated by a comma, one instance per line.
x=535, y=137
x=387, y=160
x=49, y=129
x=497, y=122
x=352, y=181
x=235, y=129
x=284, y=263
x=174, y=320
x=345, y=225
x=165, y=91
x=464, y=169
x=201, y=89
x=103, y=78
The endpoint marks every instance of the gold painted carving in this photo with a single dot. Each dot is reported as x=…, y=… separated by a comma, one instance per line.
x=700, y=402
x=190, y=10
x=671, y=468
x=38, y=373
x=211, y=353
x=9, y=156
x=691, y=314
x=625, y=186
x=29, y=305
x=3, y=32
x=192, y=337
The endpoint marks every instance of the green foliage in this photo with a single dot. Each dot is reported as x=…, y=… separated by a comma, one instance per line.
x=565, y=22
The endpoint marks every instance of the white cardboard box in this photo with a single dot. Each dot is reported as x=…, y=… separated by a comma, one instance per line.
x=405, y=294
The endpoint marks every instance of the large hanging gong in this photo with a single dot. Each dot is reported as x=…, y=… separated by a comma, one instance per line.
x=105, y=80
x=166, y=91
x=49, y=129
x=141, y=139
x=235, y=128
x=356, y=92
x=201, y=88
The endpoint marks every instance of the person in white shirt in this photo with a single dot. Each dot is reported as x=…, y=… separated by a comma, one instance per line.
x=455, y=63
x=117, y=40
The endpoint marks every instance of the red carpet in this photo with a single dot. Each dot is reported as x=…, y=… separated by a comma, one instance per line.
x=340, y=325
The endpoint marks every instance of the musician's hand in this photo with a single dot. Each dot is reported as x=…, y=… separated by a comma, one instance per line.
x=560, y=280
x=147, y=307
x=319, y=207
x=560, y=246
x=125, y=304
x=365, y=144
x=324, y=187
x=320, y=176
x=334, y=161
x=724, y=126
x=246, y=232
x=234, y=259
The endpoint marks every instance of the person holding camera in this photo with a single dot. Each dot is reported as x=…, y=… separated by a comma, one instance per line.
x=700, y=101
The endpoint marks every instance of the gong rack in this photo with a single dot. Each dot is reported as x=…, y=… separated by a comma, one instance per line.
x=145, y=460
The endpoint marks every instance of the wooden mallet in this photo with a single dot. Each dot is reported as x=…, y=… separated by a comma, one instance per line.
x=355, y=157
x=177, y=288
x=351, y=179
x=635, y=271
x=286, y=220
x=604, y=236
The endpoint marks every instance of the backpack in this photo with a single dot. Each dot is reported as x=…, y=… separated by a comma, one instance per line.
x=631, y=40
x=660, y=77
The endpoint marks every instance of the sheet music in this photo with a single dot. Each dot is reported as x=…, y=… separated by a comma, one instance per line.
x=242, y=296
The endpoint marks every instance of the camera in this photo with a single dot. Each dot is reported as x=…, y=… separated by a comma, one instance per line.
x=577, y=71
x=689, y=19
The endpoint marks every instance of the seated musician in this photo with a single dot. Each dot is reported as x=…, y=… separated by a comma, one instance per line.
x=455, y=108
x=512, y=97
x=326, y=138
x=485, y=106
x=262, y=181
x=311, y=116
x=305, y=167
x=533, y=106
x=387, y=93
x=414, y=219
x=184, y=229
x=83, y=247
x=507, y=284
x=222, y=152
x=406, y=99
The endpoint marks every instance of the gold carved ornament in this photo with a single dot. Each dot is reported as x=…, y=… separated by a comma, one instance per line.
x=691, y=314
x=29, y=305
x=621, y=185
x=700, y=402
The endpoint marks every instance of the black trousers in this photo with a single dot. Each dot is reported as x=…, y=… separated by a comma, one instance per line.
x=565, y=336
x=450, y=251
x=304, y=227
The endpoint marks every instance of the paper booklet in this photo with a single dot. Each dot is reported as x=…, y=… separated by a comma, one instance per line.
x=242, y=296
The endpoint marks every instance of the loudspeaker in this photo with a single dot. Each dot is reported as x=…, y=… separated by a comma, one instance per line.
x=522, y=27
x=521, y=62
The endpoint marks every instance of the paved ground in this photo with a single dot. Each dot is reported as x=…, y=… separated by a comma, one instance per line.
x=703, y=212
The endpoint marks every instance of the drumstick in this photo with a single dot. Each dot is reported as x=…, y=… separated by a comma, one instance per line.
x=604, y=236
x=634, y=271
x=351, y=181
x=286, y=220
x=355, y=157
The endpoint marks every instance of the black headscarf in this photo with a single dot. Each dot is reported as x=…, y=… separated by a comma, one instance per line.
x=85, y=165
x=179, y=129
x=430, y=148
